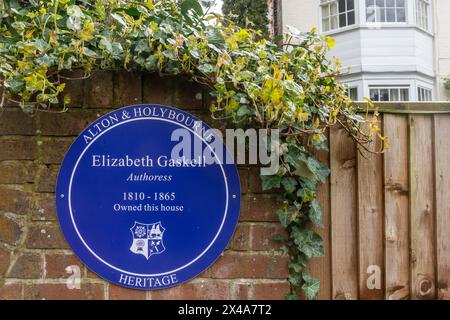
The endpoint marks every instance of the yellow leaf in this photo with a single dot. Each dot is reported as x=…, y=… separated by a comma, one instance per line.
x=22, y=65
x=331, y=42
x=302, y=116
x=149, y=4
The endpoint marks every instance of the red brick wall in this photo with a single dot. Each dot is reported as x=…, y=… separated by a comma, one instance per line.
x=33, y=252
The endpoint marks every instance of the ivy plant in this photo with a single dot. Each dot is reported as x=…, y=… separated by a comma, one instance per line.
x=290, y=86
x=447, y=83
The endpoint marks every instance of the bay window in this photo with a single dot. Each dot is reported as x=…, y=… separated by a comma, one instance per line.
x=422, y=13
x=389, y=93
x=381, y=11
x=337, y=14
x=424, y=94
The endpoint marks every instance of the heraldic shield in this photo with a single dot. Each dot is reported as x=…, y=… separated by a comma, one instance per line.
x=147, y=239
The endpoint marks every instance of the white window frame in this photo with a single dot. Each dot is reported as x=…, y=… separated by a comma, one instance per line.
x=389, y=88
x=396, y=22
x=349, y=88
x=424, y=94
x=335, y=16
x=423, y=17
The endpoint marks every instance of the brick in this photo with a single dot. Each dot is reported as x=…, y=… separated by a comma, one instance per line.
x=15, y=172
x=17, y=122
x=121, y=293
x=10, y=230
x=44, y=209
x=69, y=123
x=46, y=180
x=99, y=90
x=56, y=264
x=270, y=291
x=54, y=150
x=205, y=290
x=74, y=88
x=234, y=265
x=187, y=94
x=12, y=291
x=48, y=291
x=156, y=91
x=263, y=234
x=5, y=259
x=127, y=88
x=48, y=236
x=15, y=201
x=241, y=238
x=243, y=178
x=15, y=149
x=27, y=266
x=259, y=207
x=241, y=291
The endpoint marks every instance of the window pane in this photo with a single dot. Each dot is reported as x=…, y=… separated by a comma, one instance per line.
x=351, y=18
x=390, y=15
x=333, y=8
x=380, y=3
x=393, y=95
x=390, y=3
x=370, y=3
x=400, y=3
x=381, y=15
x=325, y=24
x=341, y=5
x=370, y=14
x=374, y=96
x=350, y=5
x=325, y=11
x=404, y=94
x=384, y=94
x=353, y=94
x=401, y=15
x=342, y=20
x=333, y=23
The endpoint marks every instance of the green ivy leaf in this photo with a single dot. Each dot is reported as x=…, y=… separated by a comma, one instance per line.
x=285, y=217
x=270, y=182
x=289, y=184
x=308, y=242
x=315, y=213
x=311, y=287
x=320, y=170
x=295, y=279
x=205, y=68
x=291, y=296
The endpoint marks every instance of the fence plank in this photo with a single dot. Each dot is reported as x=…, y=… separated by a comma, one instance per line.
x=442, y=157
x=343, y=216
x=422, y=209
x=396, y=208
x=370, y=223
x=321, y=267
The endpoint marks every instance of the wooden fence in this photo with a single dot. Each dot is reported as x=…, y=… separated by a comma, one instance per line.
x=387, y=217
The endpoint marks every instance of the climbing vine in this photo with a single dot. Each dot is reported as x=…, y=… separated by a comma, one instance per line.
x=289, y=86
x=246, y=13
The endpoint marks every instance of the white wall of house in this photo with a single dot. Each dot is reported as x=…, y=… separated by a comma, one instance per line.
x=442, y=46
x=385, y=54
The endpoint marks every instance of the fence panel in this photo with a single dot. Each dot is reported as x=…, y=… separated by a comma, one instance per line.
x=390, y=211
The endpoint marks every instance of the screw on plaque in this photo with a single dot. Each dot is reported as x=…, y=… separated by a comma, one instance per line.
x=62, y=195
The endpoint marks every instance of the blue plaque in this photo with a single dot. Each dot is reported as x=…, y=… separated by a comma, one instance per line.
x=147, y=196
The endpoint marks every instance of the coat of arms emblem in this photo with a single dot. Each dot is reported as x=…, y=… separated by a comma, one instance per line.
x=147, y=239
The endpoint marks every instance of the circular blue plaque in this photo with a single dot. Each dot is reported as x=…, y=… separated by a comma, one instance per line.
x=148, y=196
